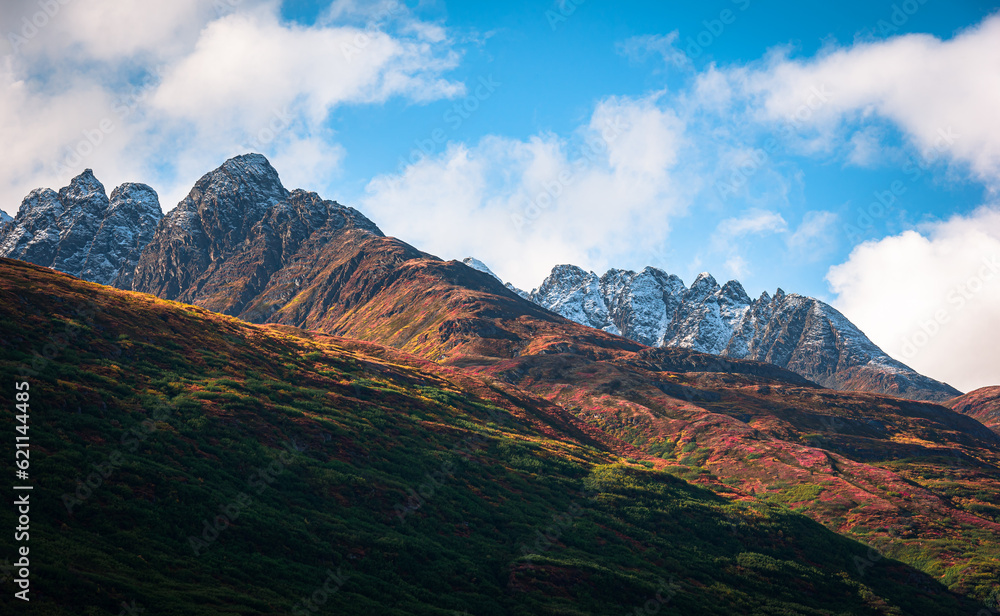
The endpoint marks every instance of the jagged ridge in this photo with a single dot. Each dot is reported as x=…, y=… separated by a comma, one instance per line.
x=796, y=332
x=81, y=232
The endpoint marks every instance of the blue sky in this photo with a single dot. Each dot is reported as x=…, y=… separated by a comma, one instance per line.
x=848, y=151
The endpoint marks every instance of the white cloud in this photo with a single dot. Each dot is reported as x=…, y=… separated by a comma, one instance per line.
x=108, y=30
x=737, y=266
x=524, y=205
x=943, y=95
x=815, y=235
x=218, y=84
x=931, y=298
x=866, y=147
x=641, y=48
x=753, y=222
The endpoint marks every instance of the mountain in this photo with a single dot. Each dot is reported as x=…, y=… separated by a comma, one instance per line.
x=795, y=332
x=196, y=464
x=242, y=244
x=405, y=353
x=232, y=244
x=78, y=230
x=478, y=265
x=982, y=404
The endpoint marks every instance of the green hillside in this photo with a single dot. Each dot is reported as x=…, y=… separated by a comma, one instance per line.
x=188, y=463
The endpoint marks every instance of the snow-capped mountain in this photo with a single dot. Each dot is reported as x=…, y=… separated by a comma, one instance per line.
x=792, y=331
x=78, y=230
x=242, y=244
x=5, y=218
x=479, y=266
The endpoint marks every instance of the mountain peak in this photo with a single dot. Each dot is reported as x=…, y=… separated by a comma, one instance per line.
x=247, y=184
x=136, y=194
x=799, y=333
x=251, y=164
x=735, y=291
x=478, y=265
x=704, y=279
x=84, y=187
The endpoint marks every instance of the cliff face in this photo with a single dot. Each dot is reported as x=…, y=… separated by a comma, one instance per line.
x=240, y=243
x=79, y=231
x=799, y=333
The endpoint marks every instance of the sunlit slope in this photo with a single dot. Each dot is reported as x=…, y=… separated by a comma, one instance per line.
x=188, y=463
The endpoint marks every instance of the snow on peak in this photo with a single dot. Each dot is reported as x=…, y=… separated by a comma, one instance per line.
x=704, y=279
x=478, y=265
x=792, y=331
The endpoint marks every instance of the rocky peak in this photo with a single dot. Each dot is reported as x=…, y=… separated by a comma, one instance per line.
x=570, y=289
x=135, y=197
x=735, y=293
x=478, y=265
x=791, y=331
x=78, y=230
x=84, y=186
x=241, y=244
x=252, y=172
x=703, y=286
x=132, y=218
x=209, y=224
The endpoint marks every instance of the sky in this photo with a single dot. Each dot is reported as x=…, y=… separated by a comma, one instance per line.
x=848, y=151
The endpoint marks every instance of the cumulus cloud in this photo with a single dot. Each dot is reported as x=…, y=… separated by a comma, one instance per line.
x=523, y=205
x=931, y=297
x=942, y=94
x=162, y=94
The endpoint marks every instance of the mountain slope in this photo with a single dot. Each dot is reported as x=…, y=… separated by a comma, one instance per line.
x=242, y=244
x=982, y=404
x=800, y=333
x=81, y=232
x=266, y=470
